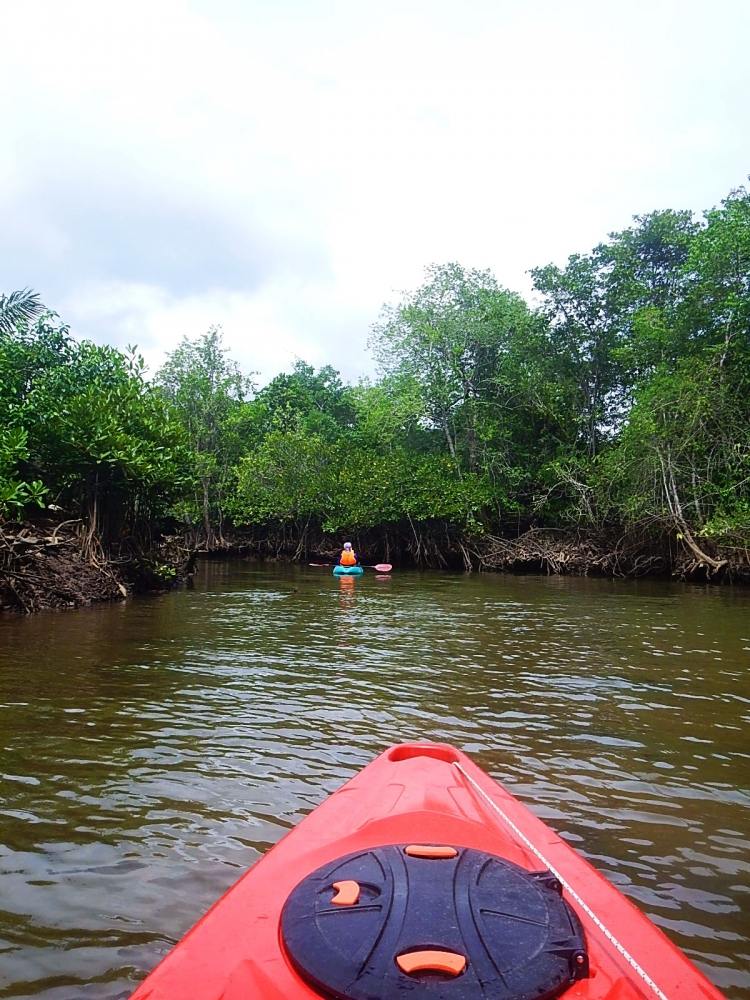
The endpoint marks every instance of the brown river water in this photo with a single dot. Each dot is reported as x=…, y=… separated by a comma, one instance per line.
x=151, y=751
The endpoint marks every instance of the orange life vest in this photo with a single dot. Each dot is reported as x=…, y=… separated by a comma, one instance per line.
x=348, y=558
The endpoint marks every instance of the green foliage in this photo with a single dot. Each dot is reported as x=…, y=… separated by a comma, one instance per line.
x=82, y=424
x=18, y=309
x=206, y=390
x=14, y=493
x=684, y=457
x=318, y=402
x=165, y=572
x=684, y=454
x=484, y=370
x=297, y=477
x=288, y=477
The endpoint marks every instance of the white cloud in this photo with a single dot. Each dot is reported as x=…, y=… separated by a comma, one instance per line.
x=265, y=331
x=283, y=169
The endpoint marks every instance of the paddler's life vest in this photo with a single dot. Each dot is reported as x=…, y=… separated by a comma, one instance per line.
x=348, y=558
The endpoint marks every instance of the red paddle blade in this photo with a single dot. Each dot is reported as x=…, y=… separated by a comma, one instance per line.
x=383, y=567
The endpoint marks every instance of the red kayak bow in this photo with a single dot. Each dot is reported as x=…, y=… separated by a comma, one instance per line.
x=423, y=878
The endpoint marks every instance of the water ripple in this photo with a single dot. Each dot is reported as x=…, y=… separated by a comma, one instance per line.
x=153, y=750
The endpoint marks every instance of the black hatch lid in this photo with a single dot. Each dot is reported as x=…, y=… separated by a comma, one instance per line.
x=432, y=921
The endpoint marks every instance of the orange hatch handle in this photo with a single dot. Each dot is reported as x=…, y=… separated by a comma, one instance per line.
x=430, y=851
x=347, y=893
x=448, y=962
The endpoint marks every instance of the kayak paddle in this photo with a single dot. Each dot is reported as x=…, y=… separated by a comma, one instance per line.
x=380, y=567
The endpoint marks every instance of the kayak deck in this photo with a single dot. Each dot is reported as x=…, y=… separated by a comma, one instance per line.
x=423, y=794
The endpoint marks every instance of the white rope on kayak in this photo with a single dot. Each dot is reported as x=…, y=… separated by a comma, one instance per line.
x=566, y=885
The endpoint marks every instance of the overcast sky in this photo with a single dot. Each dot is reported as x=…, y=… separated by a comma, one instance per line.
x=284, y=168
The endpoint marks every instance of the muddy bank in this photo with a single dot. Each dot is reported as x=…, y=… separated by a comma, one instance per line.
x=624, y=556
x=47, y=564
x=536, y=550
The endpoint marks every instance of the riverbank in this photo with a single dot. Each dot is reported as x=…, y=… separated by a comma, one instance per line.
x=626, y=556
x=616, y=553
x=51, y=565
x=48, y=564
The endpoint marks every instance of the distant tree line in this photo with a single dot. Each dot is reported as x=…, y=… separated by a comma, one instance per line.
x=619, y=403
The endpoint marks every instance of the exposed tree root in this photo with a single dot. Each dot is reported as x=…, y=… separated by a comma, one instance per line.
x=60, y=565
x=633, y=554
x=648, y=550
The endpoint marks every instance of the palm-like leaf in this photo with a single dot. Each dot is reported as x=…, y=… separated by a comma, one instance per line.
x=18, y=308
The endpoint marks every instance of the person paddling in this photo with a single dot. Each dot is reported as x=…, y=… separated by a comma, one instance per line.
x=348, y=556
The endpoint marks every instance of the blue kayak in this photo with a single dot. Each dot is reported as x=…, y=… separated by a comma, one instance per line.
x=347, y=571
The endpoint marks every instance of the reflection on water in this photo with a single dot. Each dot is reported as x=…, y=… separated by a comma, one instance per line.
x=152, y=750
x=347, y=595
